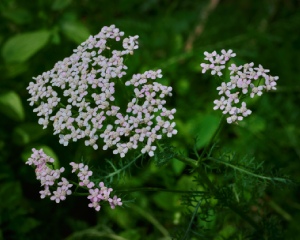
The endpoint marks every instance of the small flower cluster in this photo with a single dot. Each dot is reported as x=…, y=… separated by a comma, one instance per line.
x=146, y=118
x=87, y=107
x=49, y=177
x=245, y=79
x=95, y=194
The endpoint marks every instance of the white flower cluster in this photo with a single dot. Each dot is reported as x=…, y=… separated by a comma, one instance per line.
x=49, y=177
x=245, y=79
x=96, y=195
x=78, y=98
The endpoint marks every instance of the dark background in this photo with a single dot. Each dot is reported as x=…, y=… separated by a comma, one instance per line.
x=173, y=35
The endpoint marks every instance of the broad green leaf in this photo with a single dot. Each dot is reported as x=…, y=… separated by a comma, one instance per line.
x=226, y=232
x=10, y=194
x=183, y=86
x=27, y=132
x=18, y=15
x=11, y=106
x=178, y=43
x=164, y=200
x=60, y=4
x=187, y=183
x=27, y=224
x=75, y=31
x=120, y=216
x=255, y=124
x=14, y=69
x=56, y=37
x=205, y=129
x=1, y=235
x=177, y=166
x=130, y=234
x=21, y=47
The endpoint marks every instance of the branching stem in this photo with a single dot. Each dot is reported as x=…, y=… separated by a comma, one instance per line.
x=152, y=189
x=213, y=190
x=123, y=168
x=248, y=172
x=189, y=161
x=213, y=138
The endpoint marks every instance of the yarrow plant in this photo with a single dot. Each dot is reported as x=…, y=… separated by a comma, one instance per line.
x=77, y=97
x=244, y=80
x=80, y=98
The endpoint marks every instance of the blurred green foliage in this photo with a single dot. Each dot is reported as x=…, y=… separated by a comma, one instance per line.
x=34, y=35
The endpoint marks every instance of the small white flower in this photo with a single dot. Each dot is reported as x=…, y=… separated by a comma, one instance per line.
x=234, y=69
x=209, y=56
x=223, y=88
x=220, y=104
x=248, y=67
x=149, y=149
x=256, y=90
x=261, y=71
x=217, y=70
x=205, y=67
x=244, y=111
x=169, y=128
x=227, y=55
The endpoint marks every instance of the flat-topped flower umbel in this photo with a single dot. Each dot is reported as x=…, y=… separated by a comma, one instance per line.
x=78, y=98
x=58, y=188
x=245, y=79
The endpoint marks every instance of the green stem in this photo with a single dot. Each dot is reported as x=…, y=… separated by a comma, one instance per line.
x=80, y=194
x=122, y=169
x=189, y=161
x=248, y=172
x=213, y=190
x=77, y=186
x=159, y=146
x=213, y=138
x=152, y=220
x=186, y=235
x=152, y=189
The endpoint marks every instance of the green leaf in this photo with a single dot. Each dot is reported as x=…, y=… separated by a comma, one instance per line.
x=75, y=31
x=164, y=200
x=27, y=132
x=188, y=183
x=130, y=234
x=183, y=86
x=256, y=124
x=21, y=47
x=1, y=235
x=25, y=224
x=60, y=4
x=14, y=69
x=11, y=106
x=205, y=129
x=178, y=43
x=18, y=15
x=10, y=194
x=177, y=166
x=120, y=216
